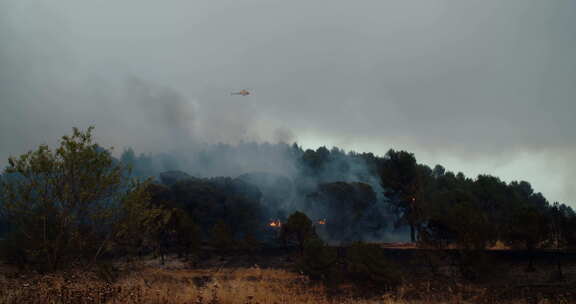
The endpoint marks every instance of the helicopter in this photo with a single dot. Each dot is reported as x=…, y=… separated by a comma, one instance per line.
x=241, y=92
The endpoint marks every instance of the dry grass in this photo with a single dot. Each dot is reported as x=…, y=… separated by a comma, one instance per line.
x=151, y=284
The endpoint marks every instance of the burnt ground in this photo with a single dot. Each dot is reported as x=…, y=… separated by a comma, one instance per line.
x=418, y=261
x=426, y=273
x=501, y=273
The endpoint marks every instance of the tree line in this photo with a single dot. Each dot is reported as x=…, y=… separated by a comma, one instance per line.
x=78, y=204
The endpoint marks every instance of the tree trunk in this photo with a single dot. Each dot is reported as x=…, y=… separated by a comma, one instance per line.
x=530, y=267
x=412, y=233
x=559, y=273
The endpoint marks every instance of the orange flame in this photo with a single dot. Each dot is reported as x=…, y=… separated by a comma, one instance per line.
x=275, y=224
x=322, y=222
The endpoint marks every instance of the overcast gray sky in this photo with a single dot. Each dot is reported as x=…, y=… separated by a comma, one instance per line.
x=480, y=86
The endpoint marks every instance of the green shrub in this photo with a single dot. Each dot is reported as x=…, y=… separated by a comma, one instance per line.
x=62, y=205
x=318, y=262
x=369, y=267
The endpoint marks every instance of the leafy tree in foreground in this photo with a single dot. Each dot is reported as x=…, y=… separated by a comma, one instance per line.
x=62, y=204
x=143, y=224
x=187, y=234
x=222, y=236
x=299, y=229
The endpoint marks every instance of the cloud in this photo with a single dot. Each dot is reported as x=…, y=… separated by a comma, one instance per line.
x=477, y=84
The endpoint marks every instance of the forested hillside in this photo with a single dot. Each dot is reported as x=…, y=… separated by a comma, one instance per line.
x=80, y=191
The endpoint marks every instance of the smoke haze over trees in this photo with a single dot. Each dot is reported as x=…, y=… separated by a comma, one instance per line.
x=349, y=196
x=50, y=204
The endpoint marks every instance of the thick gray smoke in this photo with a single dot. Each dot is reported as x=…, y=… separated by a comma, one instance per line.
x=481, y=86
x=47, y=87
x=340, y=192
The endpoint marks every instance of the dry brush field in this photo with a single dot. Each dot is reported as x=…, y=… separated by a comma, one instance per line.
x=176, y=283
